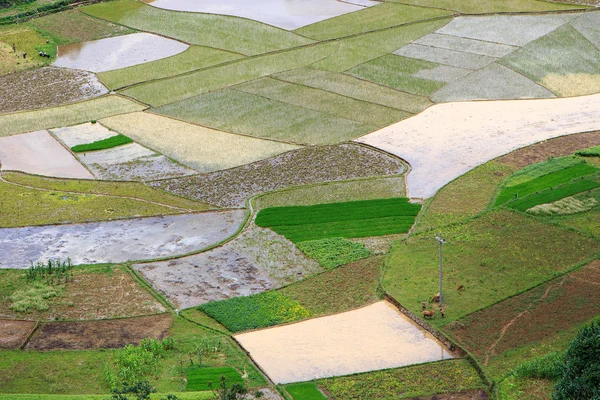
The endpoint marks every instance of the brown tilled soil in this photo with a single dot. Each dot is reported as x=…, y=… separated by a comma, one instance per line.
x=231, y=188
x=109, y=334
x=14, y=333
x=46, y=87
x=467, y=395
x=539, y=152
x=95, y=294
x=530, y=317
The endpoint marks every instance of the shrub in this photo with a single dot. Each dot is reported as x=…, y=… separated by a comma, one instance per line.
x=136, y=363
x=33, y=298
x=589, y=152
x=580, y=372
x=546, y=367
x=333, y=252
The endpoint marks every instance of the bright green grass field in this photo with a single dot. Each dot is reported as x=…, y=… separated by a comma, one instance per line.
x=369, y=19
x=494, y=256
x=323, y=101
x=553, y=194
x=593, y=151
x=181, y=87
x=248, y=114
x=349, y=220
x=206, y=378
x=492, y=6
x=349, y=86
x=72, y=114
x=238, y=35
x=256, y=311
x=108, y=143
x=333, y=252
x=194, y=58
x=304, y=391
x=26, y=40
x=543, y=182
x=395, y=71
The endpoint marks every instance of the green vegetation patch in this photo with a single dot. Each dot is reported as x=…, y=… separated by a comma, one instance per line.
x=73, y=26
x=33, y=298
x=484, y=7
x=553, y=194
x=593, y=151
x=324, y=101
x=239, y=35
x=563, y=61
x=335, y=192
x=170, y=90
x=108, y=143
x=207, y=378
x=304, y=391
x=493, y=257
x=26, y=40
x=333, y=252
x=72, y=114
x=256, y=311
x=244, y=113
x=449, y=376
x=359, y=89
x=538, y=170
x=349, y=220
x=337, y=290
x=369, y=19
x=194, y=58
x=515, y=190
x=396, y=72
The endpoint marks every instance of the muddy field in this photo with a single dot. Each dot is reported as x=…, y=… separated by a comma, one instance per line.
x=14, y=333
x=532, y=316
x=231, y=188
x=117, y=241
x=96, y=293
x=468, y=395
x=39, y=88
x=109, y=334
x=256, y=261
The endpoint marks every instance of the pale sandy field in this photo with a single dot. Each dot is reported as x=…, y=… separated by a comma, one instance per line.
x=370, y=338
x=447, y=140
x=39, y=153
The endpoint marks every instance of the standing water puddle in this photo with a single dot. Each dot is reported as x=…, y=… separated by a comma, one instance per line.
x=286, y=14
x=117, y=52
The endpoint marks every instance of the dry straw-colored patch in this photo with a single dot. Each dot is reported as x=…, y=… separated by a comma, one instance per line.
x=201, y=148
x=572, y=84
x=568, y=205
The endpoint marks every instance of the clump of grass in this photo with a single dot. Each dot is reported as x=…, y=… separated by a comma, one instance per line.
x=108, y=143
x=304, y=391
x=256, y=311
x=206, y=378
x=568, y=205
x=593, y=151
x=33, y=298
x=546, y=367
x=333, y=252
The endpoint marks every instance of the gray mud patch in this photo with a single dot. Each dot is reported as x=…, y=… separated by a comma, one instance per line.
x=46, y=87
x=256, y=261
x=232, y=187
x=141, y=169
x=117, y=241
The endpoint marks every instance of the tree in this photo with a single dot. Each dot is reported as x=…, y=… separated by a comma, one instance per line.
x=580, y=373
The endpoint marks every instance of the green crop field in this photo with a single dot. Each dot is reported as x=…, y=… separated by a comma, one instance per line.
x=26, y=40
x=207, y=378
x=257, y=311
x=538, y=170
x=552, y=195
x=304, y=391
x=382, y=16
x=194, y=58
x=593, y=151
x=333, y=252
x=350, y=219
x=238, y=35
x=108, y=143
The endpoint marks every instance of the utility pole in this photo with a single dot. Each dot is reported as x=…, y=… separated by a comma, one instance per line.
x=441, y=242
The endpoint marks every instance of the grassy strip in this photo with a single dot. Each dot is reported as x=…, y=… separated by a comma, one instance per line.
x=72, y=114
x=381, y=16
x=543, y=182
x=200, y=318
x=333, y=252
x=182, y=87
x=552, y=195
x=108, y=143
x=207, y=378
x=239, y=35
x=593, y=151
x=256, y=311
x=496, y=6
x=194, y=58
x=135, y=190
x=248, y=114
x=154, y=396
x=538, y=170
x=448, y=376
x=304, y=391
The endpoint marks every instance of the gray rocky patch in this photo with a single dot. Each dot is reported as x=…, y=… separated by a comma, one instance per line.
x=452, y=58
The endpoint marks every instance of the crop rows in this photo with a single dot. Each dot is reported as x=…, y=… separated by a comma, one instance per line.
x=544, y=182
x=103, y=144
x=552, y=195
x=540, y=169
x=199, y=379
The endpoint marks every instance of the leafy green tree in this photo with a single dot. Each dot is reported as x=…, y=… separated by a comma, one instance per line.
x=580, y=373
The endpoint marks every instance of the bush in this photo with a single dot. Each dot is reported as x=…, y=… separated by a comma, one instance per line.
x=547, y=367
x=580, y=373
x=136, y=363
x=33, y=298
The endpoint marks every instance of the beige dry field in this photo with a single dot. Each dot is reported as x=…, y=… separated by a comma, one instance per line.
x=14, y=333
